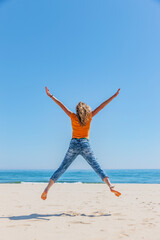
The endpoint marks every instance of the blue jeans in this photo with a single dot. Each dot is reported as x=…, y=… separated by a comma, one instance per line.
x=78, y=146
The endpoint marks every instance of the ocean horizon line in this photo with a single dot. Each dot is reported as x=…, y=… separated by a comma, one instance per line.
x=52, y=169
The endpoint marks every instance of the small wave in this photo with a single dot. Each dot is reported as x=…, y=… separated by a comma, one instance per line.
x=69, y=183
x=33, y=182
x=56, y=182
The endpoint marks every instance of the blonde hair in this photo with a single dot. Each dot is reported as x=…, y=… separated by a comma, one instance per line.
x=83, y=113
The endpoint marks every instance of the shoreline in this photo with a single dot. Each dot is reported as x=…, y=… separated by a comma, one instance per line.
x=78, y=183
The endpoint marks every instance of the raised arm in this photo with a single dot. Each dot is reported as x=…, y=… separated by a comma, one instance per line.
x=67, y=111
x=100, y=107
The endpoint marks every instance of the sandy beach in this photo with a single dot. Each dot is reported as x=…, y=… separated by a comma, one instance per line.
x=79, y=211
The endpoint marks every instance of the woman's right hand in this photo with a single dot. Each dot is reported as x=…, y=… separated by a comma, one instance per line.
x=117, y=92
x=47, y=91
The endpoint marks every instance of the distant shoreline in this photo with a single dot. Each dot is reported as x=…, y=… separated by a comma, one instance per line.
x=74, y=183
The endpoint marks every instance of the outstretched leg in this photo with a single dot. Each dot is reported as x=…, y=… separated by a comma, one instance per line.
x=89, y=156
x=68, y=159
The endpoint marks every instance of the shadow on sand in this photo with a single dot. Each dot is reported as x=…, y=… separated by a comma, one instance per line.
x=45, y=216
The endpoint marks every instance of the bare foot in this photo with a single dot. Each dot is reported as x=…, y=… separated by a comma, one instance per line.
x=116, y=192
x=44, y=195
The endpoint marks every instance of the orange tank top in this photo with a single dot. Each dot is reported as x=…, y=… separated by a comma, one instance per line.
x=79, y=131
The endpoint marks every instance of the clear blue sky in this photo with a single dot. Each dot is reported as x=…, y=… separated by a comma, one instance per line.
x=82, y=51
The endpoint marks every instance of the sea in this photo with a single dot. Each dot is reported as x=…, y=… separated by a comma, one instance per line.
x=140, y=176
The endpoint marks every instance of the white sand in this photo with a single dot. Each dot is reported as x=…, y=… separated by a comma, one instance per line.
x=79, y=212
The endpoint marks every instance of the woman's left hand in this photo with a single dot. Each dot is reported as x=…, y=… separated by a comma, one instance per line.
x=47, y=91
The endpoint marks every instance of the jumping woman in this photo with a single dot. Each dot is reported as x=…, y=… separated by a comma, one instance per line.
x=79, y=143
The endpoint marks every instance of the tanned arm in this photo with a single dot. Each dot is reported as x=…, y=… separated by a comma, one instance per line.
x=100, y=107
x=66, y=110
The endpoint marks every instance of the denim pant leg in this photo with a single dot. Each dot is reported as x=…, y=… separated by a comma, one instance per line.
x=70, y=156
x=89, y=156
